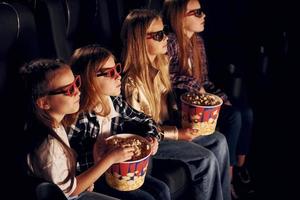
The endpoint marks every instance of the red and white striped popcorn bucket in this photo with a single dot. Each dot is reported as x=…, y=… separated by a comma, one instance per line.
x=202, y=118
x=128, y=175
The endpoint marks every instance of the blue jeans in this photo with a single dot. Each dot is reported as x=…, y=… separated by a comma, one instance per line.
x=244, y=140
x=230, y=122
x=204, y=165
x=218, y=145
x=152, y=189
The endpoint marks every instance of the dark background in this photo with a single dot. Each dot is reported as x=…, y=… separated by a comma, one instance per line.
x=258, y=38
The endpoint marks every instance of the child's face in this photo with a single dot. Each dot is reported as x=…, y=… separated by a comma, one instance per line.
x=61, y=104
x=192, y=21
x=110, y=85
x=155, y=47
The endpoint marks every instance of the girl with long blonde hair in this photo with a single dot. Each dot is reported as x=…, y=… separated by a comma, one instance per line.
x=147, y=88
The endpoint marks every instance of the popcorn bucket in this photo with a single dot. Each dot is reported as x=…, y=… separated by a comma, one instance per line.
x=200, y=112
x=129, y=175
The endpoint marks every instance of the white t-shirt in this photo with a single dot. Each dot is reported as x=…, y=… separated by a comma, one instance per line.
x=105, y=122
x=54, y=161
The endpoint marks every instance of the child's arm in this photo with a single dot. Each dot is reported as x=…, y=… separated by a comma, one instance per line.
x=190, y=83
x=99, y=148
x=211, y=88
x=87, y=178
x=141, y=121
x=154, y=144
x=82, y=137
x=187, y=83
x=173, y=133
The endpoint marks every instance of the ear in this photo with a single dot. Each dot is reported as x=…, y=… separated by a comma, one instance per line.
x=43, y=103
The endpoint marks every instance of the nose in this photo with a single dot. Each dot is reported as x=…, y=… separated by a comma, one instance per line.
x=77, y=91
x=166, y=37
x=117, y=76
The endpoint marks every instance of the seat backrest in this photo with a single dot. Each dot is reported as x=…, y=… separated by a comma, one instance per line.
x=64, y=25
x=18, y=45
x=101, y=24
x=18, y=39
x=52, y=28
x=114, y=12
x=156, y=5
x=9, y=33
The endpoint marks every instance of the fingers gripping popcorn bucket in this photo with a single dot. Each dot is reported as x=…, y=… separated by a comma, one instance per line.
x=129, y=175
x=200, y=112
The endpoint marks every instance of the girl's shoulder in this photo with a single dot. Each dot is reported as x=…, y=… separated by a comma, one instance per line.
x=132, y=88
x=49, y=150
x=85, y=117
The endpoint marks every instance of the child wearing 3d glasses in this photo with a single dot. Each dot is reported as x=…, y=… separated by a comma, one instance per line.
x=103, y=113
x=52, y=92
x=147, y=88
x=188, y=65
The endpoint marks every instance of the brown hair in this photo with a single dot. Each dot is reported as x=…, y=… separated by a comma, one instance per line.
x=85, y=62
x=37, y=76
x=173, y=13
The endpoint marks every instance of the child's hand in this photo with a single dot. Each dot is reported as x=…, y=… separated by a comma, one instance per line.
x=99, y=148
x=120, y=154
x=187, y=134
x=228, y=103
x=154, y=144
x=202, y=90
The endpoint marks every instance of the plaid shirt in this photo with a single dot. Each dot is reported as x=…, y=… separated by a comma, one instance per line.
x=186, y=82
x=83, y=134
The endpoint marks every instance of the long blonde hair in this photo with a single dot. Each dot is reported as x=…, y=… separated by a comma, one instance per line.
x=137, y=64
x=86, y=61
x=173, y=14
